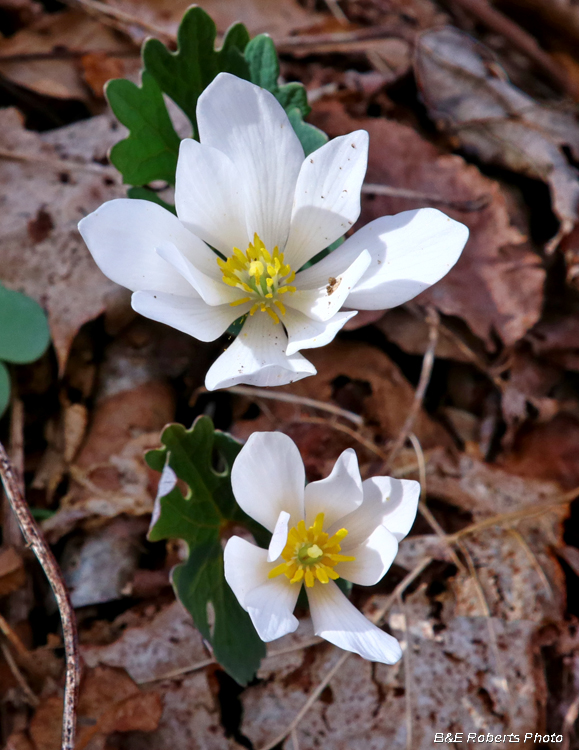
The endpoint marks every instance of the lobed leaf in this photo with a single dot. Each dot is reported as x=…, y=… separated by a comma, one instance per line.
x=151, y=149
x=185, y=74
x=202, y=457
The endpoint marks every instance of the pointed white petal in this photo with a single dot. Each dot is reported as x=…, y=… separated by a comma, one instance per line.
x=410, y=252
x=208, y=196
x=327, y=198
x=322, y=303
x=257, y=357
x=248, y=125
x=399, y=501
x=246, y=567
x=188, y=314
x=305, y=333
x=270, y=607
x=339, y=622
x=123, y=235
x=338, y=495
x=211, y=290
x=373, y=558
x=279, y=537
x=387, y=501
x=268, y=477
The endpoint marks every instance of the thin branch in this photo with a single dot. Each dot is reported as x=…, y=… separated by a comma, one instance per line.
x=35, y=540
x=475, y=204
x=18, y=676
x=408, y=675
x=310, y=701
x=290, y=398
x=521, y=40
x=433, y=322
x=60, y=164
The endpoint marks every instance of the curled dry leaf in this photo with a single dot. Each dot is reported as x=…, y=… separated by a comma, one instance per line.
x=497, y=284
x=43, y=57
x=42, y=252
x=468, y=94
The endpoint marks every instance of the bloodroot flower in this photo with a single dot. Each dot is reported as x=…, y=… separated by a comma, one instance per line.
x=339, y=527
x=251, y=212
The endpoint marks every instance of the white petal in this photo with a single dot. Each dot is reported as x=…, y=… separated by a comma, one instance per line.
x=373, y=558
x=323, y=302
x=268, y=477
x=399, y=501
x=338, y=495
x=122, y=236
x=257, y=357
x=279, y=537
x=339, y=622
x=410, y=252
x=213, y=291
x=188, y=314
x=270, y=607
x=208, y=196
x=305, y=333
x=249, y=125
x=327, y=198
x=246, y=567
x=387, y=501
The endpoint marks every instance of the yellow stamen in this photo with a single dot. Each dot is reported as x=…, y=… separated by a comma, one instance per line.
x=263, y=275
x=310, y=554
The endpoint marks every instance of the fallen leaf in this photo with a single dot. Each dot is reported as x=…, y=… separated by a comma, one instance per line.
x=42, y=56
x=57, y=271
x=153, y=649
x=98, y=68
x=260, y=16
x=357, y=377
x=12, y=572
x=497, y=284
x=109, y=702
x=468, y=94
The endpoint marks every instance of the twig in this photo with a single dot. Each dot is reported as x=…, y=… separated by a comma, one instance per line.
x=290, y=398
x=424, y=509
x=476, y=204
x=295, y=743
x=339, y=15
x=371, y=446
x=521, y=40
x=310, y=701
x=104, y=11
x=180, y=671
x=433, y=322
x=408, y=681
x=18, y=676
x=516, y=534
x=59, y=164
x=569, y=722
x=13, y=637
x=36, y=541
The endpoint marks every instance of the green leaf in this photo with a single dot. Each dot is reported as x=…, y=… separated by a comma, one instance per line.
x=24, y=332
x=4, y=388
x=150, y=151
x=185, y=74
x=263, y=61
x=143, y=193
x=202, y=457
x=311, y=138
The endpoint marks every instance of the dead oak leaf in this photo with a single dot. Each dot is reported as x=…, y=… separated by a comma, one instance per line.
x=497, y=284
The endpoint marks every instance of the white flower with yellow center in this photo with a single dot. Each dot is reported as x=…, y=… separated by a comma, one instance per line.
x=339, y=527
x=251, y=212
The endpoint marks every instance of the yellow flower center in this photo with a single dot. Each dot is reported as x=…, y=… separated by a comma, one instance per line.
x=310, y=554
x=263, y=275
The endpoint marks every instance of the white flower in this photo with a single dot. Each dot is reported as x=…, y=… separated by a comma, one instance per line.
x=337, y=527
x=247, y=192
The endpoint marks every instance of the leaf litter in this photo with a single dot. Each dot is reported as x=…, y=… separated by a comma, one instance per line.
x=497, y=431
